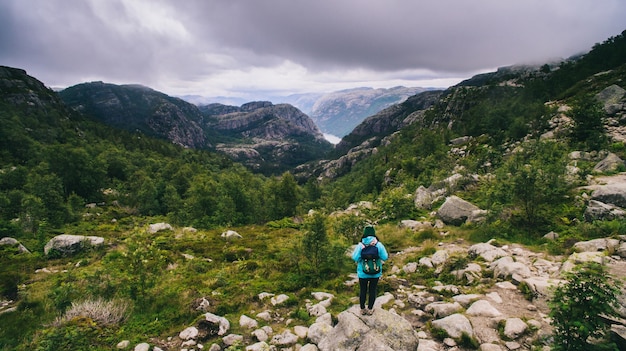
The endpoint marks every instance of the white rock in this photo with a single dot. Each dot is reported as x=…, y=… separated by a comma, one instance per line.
x=301, y=331
x=280, y=299
x=514, y=328
x=157, y=227
x=455, y=325
x=260, y=335
x=247, y=322
x=309, y=347
x=224, y=324
x=231, y=339
x=123, y=344
x=483, y=308
x=188, y=333
x=285, y=338
x=231, y=234
x=428, y=345
x=490, y=347
x=259, y=346
x=144, y=346
x=265, y=315
x=319, y=296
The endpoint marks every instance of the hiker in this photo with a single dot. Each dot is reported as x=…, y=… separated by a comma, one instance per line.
x=369, y=254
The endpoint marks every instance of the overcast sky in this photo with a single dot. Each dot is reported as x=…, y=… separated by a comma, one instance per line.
x=258, y=48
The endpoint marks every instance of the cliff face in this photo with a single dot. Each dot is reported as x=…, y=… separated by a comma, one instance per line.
x=262, y=120
x=138, y=108
x=264, y=136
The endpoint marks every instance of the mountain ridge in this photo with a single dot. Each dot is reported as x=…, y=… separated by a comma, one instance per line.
x=254, y=127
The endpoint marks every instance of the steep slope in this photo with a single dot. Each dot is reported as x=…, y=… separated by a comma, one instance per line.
x=266, y=137
x=138, y=108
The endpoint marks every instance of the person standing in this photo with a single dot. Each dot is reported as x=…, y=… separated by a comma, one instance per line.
x=368, y=275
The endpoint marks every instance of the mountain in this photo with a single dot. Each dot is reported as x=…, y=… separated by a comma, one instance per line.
x=139, y=108
x=339, y=112
x=335, y=113
x=265, y=137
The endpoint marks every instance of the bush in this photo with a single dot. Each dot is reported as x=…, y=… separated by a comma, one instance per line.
x=576, y=307
x=103, y=312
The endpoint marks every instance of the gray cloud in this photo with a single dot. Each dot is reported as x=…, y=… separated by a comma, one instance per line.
x=225, y=46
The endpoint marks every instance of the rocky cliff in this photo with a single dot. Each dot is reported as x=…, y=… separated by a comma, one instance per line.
x=266, y=136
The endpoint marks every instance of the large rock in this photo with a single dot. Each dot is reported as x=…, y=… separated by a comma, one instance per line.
x=381, y=331
x=66, y=244
x=597, y=210
x=611, y=97
x=455, y=325
x=594, y=245
x=610, y=163
x=13, y=242
x=456, y=211
x=614, y=194
x=506, y=267
x=487, y=251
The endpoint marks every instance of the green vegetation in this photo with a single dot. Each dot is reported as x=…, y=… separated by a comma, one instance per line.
x=577, y=308
x=54, y=162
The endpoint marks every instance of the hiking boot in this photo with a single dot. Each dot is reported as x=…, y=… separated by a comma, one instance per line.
x=370, y=312
x=363, y=311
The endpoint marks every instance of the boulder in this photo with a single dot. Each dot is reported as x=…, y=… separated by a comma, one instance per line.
x=286, y=338
x=381, y=331
x=13, y=242
x=456, y=211
x=506, y=267
x=66, y=244
x=157, y=227
x=487, y=251
x=455, y=325
x=247, y=322
x=428, y=345
x=614, y=194
x=216, y=325
x=610, y=97
x=144, y=346
x=483, y=308
x=259, y=346
x=610, y=163
x=231, y=234
x=443, y=309
x=188, y=333
x=597, y=210
x=602, y=244
x=514, y=328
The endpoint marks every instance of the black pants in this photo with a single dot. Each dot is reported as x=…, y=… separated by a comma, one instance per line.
x=367, y=290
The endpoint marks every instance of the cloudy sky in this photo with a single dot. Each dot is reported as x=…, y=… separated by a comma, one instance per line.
x=258, y=48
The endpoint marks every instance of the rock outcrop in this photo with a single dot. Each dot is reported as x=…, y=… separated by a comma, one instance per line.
x=66, y=244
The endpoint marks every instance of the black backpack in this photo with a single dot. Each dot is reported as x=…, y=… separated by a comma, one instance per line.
x=371, y=262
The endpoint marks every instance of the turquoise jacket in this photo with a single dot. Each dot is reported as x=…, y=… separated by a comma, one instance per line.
x=356, y=256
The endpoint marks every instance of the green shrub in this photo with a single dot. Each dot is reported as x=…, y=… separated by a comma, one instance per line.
x=576, y=307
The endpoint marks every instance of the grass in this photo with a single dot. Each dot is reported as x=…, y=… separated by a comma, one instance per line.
x=149, y=282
